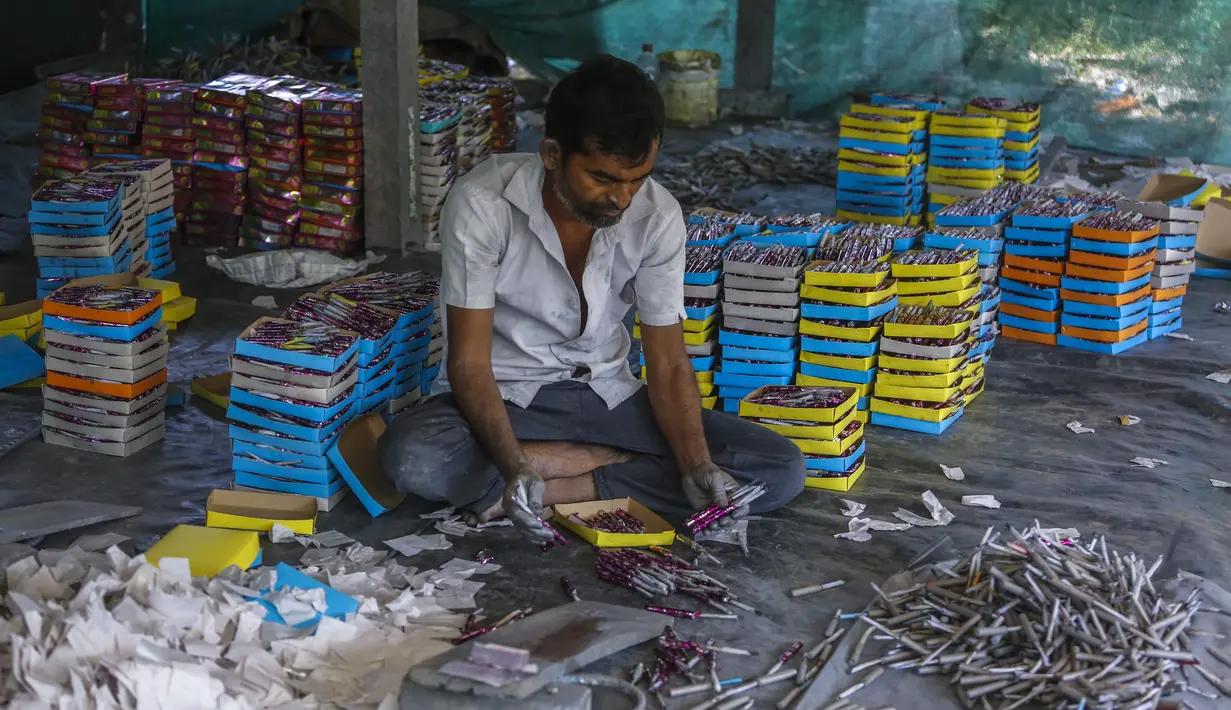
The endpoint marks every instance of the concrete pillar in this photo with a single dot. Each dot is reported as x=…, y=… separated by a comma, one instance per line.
x=389, y=34
x=754, y=45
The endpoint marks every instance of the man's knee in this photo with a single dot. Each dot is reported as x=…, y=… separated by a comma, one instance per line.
x=416, y=452
x=783, y=471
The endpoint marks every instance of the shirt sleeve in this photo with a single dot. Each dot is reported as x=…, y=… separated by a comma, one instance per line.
x=659, y=283
x=470, y=251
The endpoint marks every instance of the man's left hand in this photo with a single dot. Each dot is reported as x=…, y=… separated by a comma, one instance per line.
x=707, y=486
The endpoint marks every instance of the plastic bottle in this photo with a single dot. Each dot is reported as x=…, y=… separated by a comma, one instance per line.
x=648, y=62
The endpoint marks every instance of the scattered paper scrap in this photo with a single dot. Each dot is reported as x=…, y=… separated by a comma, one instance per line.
x=314, y=556
x=1222, y=307
x=331, y=538
x=981, y=501
x=98, y=543
x=1144, y=462
x=411, y=545
x=1178, y=336
x=940, y=514
x=853, y=508
x=1129, y=420
x=442, y=514
x=953, y=473
x=1220, y=484
x=265, y=302
x=1077, y=428
x=1058, y=533
x=281, y=533
x=857, y=532
x=1222, y=376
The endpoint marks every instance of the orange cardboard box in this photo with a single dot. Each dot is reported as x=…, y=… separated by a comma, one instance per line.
x=1014, y=309
x=1104, y=336
x=111, y=389
x=1166, y=294
x=1032, y=264
x=1104, y=261
x=1113, y=275
x=1037, y=278
x=1108, y=235
x=1009, y=331
x=1104, y=299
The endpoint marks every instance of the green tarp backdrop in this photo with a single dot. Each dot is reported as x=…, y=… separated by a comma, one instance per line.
x=1142, y=77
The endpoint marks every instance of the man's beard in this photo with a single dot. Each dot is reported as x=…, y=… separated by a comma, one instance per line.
x=588, y=216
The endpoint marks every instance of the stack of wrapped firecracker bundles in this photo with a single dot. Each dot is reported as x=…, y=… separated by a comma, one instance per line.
x=501, y=96
x=798, y=230
x=167, y=132
x=1021, y=137
x=377, y=330
x=474, y=130
x=220, y=160
x=822, y=422
x=152, y=234
x=113, y=130
x=1036, y=250
x=759, y=335
x=106, y=368
x=1174, y=261
x=928, y=373
x=412, y=296
x=1106, y=287
x=846, y=293
x=63, y=124
x=77, y=226
x=437, y=165
x=294, y=386
x=965, y=156
x=331, y=208
x=270, y=214
x=881, y=164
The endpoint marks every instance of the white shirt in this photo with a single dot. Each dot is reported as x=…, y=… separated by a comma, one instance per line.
x=500, y=250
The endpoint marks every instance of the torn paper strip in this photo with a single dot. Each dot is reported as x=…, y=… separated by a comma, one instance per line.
x=940, y=514
x=1220, y=484
x=853, y=508
x=885, y=525
x=442, y=514
x=1144, y=462
x=1077, y=428
x=953, y=473
x=1178, y=336
x=1129, y=420
x=858, y=531
x=982, y=501
x=1223, y=376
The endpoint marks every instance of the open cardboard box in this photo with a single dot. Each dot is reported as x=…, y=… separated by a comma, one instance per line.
x=1214, y=234
x=215, y=389
x=249, y=510
x=1169, y=188
x=657, y=530
x=356, y=457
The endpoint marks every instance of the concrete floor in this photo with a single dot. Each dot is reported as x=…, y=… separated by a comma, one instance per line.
x=1011, y=443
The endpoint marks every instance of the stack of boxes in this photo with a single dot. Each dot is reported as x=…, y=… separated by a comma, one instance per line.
x=927, y=373
x=1105, y=289
x=168, y=131
x=63, y=124
x=106, y=368
x=412, y=296
x=965, y=156
x=1174, y=261
x=501, y=95
x=114, y=128
x=797, y=230
x=294, y=386
x=437, y=165
x=331, y=206
x=377, y=330
x=760, y=318
x=881, y=164
x=1021, y=138
x=822, y=421
x=474, y=130
x=151, y=235
x=275, y=166
x=702, y=287
x=989, y=246
x=78, y=229
x=220, y=160
x=846, y=294
x=1036, y=251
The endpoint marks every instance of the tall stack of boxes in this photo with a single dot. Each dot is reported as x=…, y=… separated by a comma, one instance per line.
x=114, y=128
x=63, y=124
x=1036, y=252
x=501, y=95
x=927, y=374
x=106, y=368
x=760, y=318
x=294, y=386
x=474, y=130
x=881, y=164
x=1021, y=138
x=965, y=155
x=1105, y=289
x=168, y=131
x=151, y=235
x=990, y=246
x=702, y=288
x=1174, y=261
x=77, y=226
x=846, y=294
x=830, y=437
x=332, y=202
x=437, y=165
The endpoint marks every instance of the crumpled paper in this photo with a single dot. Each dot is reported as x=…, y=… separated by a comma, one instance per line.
x=953, y=473
x=1077, y=428
x=859, y=529
x=853, y=508
x=1129, y=420
x=1222, y=376
x=982, y=501
x=940, y=514
x=1145, y=462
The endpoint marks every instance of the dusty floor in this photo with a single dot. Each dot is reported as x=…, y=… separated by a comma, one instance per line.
x=1011, y=443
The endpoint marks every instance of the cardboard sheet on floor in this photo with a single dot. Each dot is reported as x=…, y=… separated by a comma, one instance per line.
x=356, y=457
x=337, y=604
x=18, y=362
x=30, y=521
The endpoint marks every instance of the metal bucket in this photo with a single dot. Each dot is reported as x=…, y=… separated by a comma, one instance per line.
x=688, y=79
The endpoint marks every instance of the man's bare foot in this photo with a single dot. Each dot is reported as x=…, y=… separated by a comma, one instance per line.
x=559, y=459
x=575, y=489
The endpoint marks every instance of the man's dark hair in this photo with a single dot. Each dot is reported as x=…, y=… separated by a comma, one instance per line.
x=608, y=105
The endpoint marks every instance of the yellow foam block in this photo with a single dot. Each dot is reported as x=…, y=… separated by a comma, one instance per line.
x=178, y=310
x=208, y=550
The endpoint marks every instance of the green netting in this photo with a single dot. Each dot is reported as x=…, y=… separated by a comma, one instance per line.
x=1140, y=77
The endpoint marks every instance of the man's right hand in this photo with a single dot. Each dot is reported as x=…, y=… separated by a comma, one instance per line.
x=523, y=503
